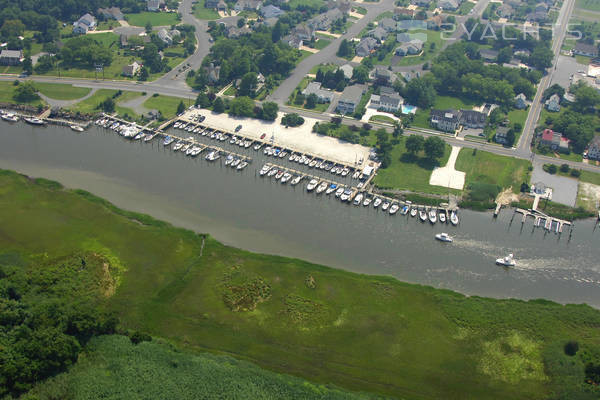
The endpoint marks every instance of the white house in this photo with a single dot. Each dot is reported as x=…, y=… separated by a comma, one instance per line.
x=84, y=24
x=131, y=69
x=553, y=103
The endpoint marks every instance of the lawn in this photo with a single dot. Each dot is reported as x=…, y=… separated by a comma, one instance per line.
x=294, y=4
x=421, y=118
x=322, y=67
x=591, y=5
x=7, y=91
x=155, y=18
x=90, y=105
x=201, y=12
x=360, y=332
x=465, y=7
x=484, y=167
x=382, y=118
x=410, y=173
x=322, y=43
x=360, y=10
x=165, y=104
x=429, y=52
x=518, y=117
x=61, y=91
x=590, y=177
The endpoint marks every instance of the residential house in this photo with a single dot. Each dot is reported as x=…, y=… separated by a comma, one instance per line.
x=382, y=75
x=271, y=11
x=472, y=119
x=378, y=33
x=501, y=135
x=111, y=13
x=211, y=3
x=304, y=32
x=537, y=16
x=174, y=33
x=294, y=41
x=212, y=73
x=505, y=11
x=555, y=140
x=323, y=22
x=165, y=37
x=593, y=151
x=584, y=49
x=348, y=70
x=234, y=32
x=247, y=5
x=153, y=5
x=221, y=6
x=387, y=100
x=520, y=101
x=350, y=99
x=388, y=24
x=323, y=95
x=131, y=69
x=553, y=103
x=366, y=46
x=421, y=3
x=445, y=120
x=448, y=4
x=413, y=47
x=435, y=22
x=11, y=57
x=403, y=12
x=488, y=55
x=84, y=24
x=541, y=7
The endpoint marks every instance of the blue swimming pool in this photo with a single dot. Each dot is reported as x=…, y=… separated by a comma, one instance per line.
x=408, y=109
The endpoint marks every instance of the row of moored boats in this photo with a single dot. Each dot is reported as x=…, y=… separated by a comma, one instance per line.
x=12, y=117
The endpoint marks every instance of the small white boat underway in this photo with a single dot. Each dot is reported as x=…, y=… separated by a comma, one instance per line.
x=507, y=261
x=444, y=237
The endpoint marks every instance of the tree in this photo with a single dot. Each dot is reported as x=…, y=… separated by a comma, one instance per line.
x=552, y=90
x=586, y=98
x=241, y=22
x=541, y=57
x=299, y=99
x=420, y=92
x=148, y=27
x=180, y=108
x=311, y=101
x=414, y=144
x=571, y=348
x=108, y=105
x=202, y=100
x=434, y=147
x=27, y=66
x=345, y=49
x=383, y=147
x=269, y=110
x=510, y=137
x=151, y=58
x=398, y=131
x=564, y=168
x=25, y=92
x=242, y=106
x=218, y=105
x=360, y=74
x=143, y=74
x=292, y=120
x=277, y=32
x=504, y=55
x=248, y=84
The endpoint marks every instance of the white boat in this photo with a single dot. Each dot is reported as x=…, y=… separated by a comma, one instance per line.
x=385, y=205
x=177, y=124
x=213, y=155
x=296, y=180
x=189, y=150
x=148, y=138
x=263, y=171
x=139, y=136
x=394, y=209
x=432, y=216
x=454, y=218
x=444, y=237
x=442, y=216
x=286, y=177
x=346, y=195
x=195, y=151
x=358, y=199
x=321, y=188
x=272, y=172
x=232, y=140
x=507, y=261
x=423, y=215
x=331, y=189
x=34, y=121
x=236, y=161
x=77, y=128
x=185, y=147
x=345, y=172
x=413, y=212
x=282, y=154
x=228, y=159
x=177, y=146
x=242, y=165
x=292, y=157
x=312, y=164
x=257, y=146
x=339, y=191
x=356, y=174
x=312, y=185
x=168, y=140
x=266, y=150
x=367, y=201
x=247, y=144
x=405, y=209
x=306, y=161
x=376, y=202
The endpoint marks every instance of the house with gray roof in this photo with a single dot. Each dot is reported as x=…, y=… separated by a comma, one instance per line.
x=378, y=33
x=271, y=11
x=350, y=99
x=366, y=46
x=111, y=13
x=323, y=95
x=520, y=101
x=387, y=100
x=413, y=47
x=348, y=70
x=304, y=32
x=553, y=103
x=153, y=5
x=445, y=120
x=388, y=24
x=584, y=49
x=247, y=5
x=11, y=57
x=84, y=24
x=165, y=37
x=448, y=4
x=323, y=22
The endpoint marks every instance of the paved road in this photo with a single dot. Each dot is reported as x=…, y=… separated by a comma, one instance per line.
x=176, y=77
x=560, y=29
x=328, y=54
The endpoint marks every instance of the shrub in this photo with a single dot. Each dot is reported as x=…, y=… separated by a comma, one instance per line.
x=292, y=120
x=575, y=173
x=571, y=348
x=564, y=168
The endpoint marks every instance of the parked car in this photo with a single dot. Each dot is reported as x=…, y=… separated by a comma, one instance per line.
x=237, y=128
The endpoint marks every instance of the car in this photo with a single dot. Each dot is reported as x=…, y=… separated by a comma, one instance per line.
x=263, y=135
x=238, y=128
x=202, y=118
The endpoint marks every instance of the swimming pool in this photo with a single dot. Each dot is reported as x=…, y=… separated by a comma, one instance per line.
x=408, y=109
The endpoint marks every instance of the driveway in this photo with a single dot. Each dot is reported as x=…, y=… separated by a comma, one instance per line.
x=564, y=190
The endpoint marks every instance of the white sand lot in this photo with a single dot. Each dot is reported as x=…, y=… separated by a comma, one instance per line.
x=447, y=176
x=300, y=139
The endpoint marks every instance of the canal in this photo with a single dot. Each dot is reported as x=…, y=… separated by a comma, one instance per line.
x=244, y=210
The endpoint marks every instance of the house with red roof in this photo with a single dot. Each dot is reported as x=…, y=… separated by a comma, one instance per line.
x=555, y=140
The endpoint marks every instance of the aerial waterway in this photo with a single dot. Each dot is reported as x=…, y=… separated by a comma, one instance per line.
x=244, y=210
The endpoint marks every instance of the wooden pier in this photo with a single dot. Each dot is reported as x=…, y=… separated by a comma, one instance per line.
x=548, y=221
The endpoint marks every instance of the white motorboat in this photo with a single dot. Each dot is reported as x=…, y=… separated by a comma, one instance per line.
x=367, y=201
x=331, y=189
x=272, y=172
x=185, y=147
x=177, y=124
x=189, y=151
x=358, y=199
x=77, y=128
x=413, y=212
x=321, y=188
x=34, y=121
x=307, y=161
x=195, y=151
x=247, y=144
x=356, y=174
x=507, y=261
x=232, y=140
x=444, y=237
x=148, y=138
x=242, y=165
x=228, y=159
x=377, y=202
x=213, y=155
x=177, y=146
x=454, y=218
x=286, y=177
x=312, y=185
x=394, y=208
x=266, y=150
x=442, y=216
x=346, y=195
x=312, y=164
x=422, y=215
x=405, y=209
x=345, y=172
x=235, y=162
x=432, y=216
x=139, y=136
x=296, y=180
x=339, y=191
x=385, y=205
x=283, y=154
x=263, y=171
x=168, y=140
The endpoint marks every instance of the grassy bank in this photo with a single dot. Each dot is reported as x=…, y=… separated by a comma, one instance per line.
x=61, y=91
x=360, y=332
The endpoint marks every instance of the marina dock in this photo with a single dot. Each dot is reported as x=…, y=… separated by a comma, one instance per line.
x=548, y=223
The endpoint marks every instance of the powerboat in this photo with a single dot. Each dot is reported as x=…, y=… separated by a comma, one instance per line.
x=345, y=172
x=77, y=128
x=185, y=147
x=263, y=171
x=168, y=140
x=367, y=201
x=405, y=210
x=228, y=159
x=279, y=175
x=356, y=174
x=312, y=164
x=236, y=161
x=442, y=216
x=242, y=165
x=331, y=189
x=34, y=121
x=292, y=157
x=358, y=199
x=272, y=172
x=507, y=261
x=139, y=136
x=376, y=202
x=413, y=212
x=212, y=156
x=385, y=205
x=394, y=209
x=422, y=215
x=321, y=188
x=257, y=146
x=454, y=218
x=346, y=195
x=148, y=138
x=432, y=216
x=296, y=180
x=339, y=191
x=444, y=237
x=312, y=185
x=286, y=177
